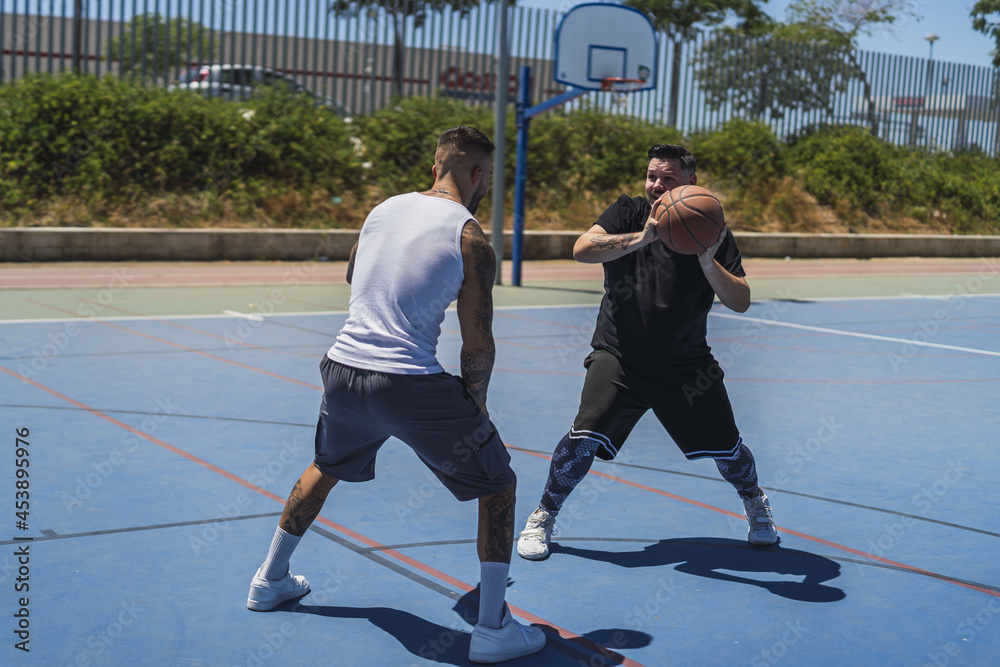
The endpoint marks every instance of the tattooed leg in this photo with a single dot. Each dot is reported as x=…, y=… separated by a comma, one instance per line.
x=495, y=543
x=496, y=525
x=306, y=500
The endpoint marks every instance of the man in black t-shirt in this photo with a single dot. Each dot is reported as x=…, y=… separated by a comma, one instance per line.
x=650, y=353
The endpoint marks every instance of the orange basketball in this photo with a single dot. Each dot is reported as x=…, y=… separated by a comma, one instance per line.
x=689, y=219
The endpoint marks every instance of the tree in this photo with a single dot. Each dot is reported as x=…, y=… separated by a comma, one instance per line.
x=850, y=18
x=154, y=46
x=679, y=19
x=770, y=71
x=985, y=16
x=847, y=19
x=398, y=11
x=801, y=63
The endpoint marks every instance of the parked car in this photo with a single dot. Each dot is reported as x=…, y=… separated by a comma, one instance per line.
x=237, y=82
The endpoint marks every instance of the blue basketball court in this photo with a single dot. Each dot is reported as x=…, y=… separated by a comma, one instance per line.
x=155, y=431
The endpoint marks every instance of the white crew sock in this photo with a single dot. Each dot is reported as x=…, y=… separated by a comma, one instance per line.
x=276, y=564
x=492, y=591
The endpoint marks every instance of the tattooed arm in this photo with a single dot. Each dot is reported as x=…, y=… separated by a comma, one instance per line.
x=475, y=311
x=596, y=245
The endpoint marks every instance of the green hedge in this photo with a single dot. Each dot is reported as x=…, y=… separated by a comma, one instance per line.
x=282, y=159
x=850, y=167
x=740, y=152
x=109, y=140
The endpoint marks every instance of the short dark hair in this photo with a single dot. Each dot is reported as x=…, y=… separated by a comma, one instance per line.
x=466, y=139
x=674, y=152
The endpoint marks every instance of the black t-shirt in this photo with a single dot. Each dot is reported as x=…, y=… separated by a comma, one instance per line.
x=655, y=309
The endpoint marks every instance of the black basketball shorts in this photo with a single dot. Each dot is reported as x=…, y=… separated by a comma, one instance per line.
x=692, y=406
x=433, y=414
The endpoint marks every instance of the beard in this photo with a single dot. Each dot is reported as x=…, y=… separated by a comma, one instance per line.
x=477, y=197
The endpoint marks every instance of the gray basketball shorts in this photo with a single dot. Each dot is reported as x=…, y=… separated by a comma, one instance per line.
x=692, y=406
x=433, y=414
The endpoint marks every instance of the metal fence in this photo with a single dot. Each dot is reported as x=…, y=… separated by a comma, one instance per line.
x=363, y=58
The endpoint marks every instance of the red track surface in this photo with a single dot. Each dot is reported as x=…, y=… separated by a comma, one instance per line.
x=250, y=273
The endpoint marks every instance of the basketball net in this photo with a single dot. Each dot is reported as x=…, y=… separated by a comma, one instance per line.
x=621, y=88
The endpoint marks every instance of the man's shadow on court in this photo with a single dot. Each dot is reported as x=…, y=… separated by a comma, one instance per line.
x=424, y=639
x=719, y=558
x=437, y=643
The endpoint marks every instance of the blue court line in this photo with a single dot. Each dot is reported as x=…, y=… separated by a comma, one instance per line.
x=860, y=561
x=189, y=349
x=748, y=547
x=570, y=651
x=563, y=324
x=982, y=588
x=719, y=480
x=561, y=633
x=253, y=317
x=105, y=322
x=48, y=535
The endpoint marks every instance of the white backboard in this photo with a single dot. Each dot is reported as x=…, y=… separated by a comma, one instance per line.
x=599, y=40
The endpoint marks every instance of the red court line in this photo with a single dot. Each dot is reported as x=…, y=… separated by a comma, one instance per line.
x=180, y=347
x=812, y=538
x=358, y=537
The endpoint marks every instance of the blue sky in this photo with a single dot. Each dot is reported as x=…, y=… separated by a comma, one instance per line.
x=948, y=19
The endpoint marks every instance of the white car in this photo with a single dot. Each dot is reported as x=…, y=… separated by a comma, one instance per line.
x=237, y=82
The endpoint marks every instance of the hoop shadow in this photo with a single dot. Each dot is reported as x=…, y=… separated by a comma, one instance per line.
x=708, y=556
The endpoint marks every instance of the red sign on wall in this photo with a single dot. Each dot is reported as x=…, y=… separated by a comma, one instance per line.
x=472, y=85
x=913, y=102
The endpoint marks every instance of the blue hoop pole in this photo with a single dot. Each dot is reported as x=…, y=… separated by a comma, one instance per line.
x=520, y=172
x=524, y=113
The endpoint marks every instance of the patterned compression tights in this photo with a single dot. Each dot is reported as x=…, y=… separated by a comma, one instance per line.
x=570, y=464
x=573, y=457
x=741, y=472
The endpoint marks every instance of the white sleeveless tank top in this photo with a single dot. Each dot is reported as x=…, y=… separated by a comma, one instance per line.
x=407, y=271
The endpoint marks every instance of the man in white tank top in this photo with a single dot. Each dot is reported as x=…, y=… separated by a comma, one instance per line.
x=417, y=253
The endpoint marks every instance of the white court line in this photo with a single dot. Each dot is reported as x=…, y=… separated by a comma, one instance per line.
x=233, y=313
x=253, y=317
x=855, y=334
x=903, y=296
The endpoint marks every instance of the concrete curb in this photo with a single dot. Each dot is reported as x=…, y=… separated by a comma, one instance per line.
x=88, y=244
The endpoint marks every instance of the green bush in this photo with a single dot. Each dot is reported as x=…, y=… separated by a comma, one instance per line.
x=87, y=150
x=584, y=150
x=739, y=152
x=847, y=163
x=592, y=151
x=397, y=143
x=966, y=187
x=107, y=140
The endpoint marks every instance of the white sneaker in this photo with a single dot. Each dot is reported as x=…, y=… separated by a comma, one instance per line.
x=762, y=531
x=533, y=542
x=512, y=640
x=266, y=594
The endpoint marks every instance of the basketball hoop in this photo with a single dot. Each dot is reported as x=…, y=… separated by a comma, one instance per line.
x=616, y=84
x=621, y=88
